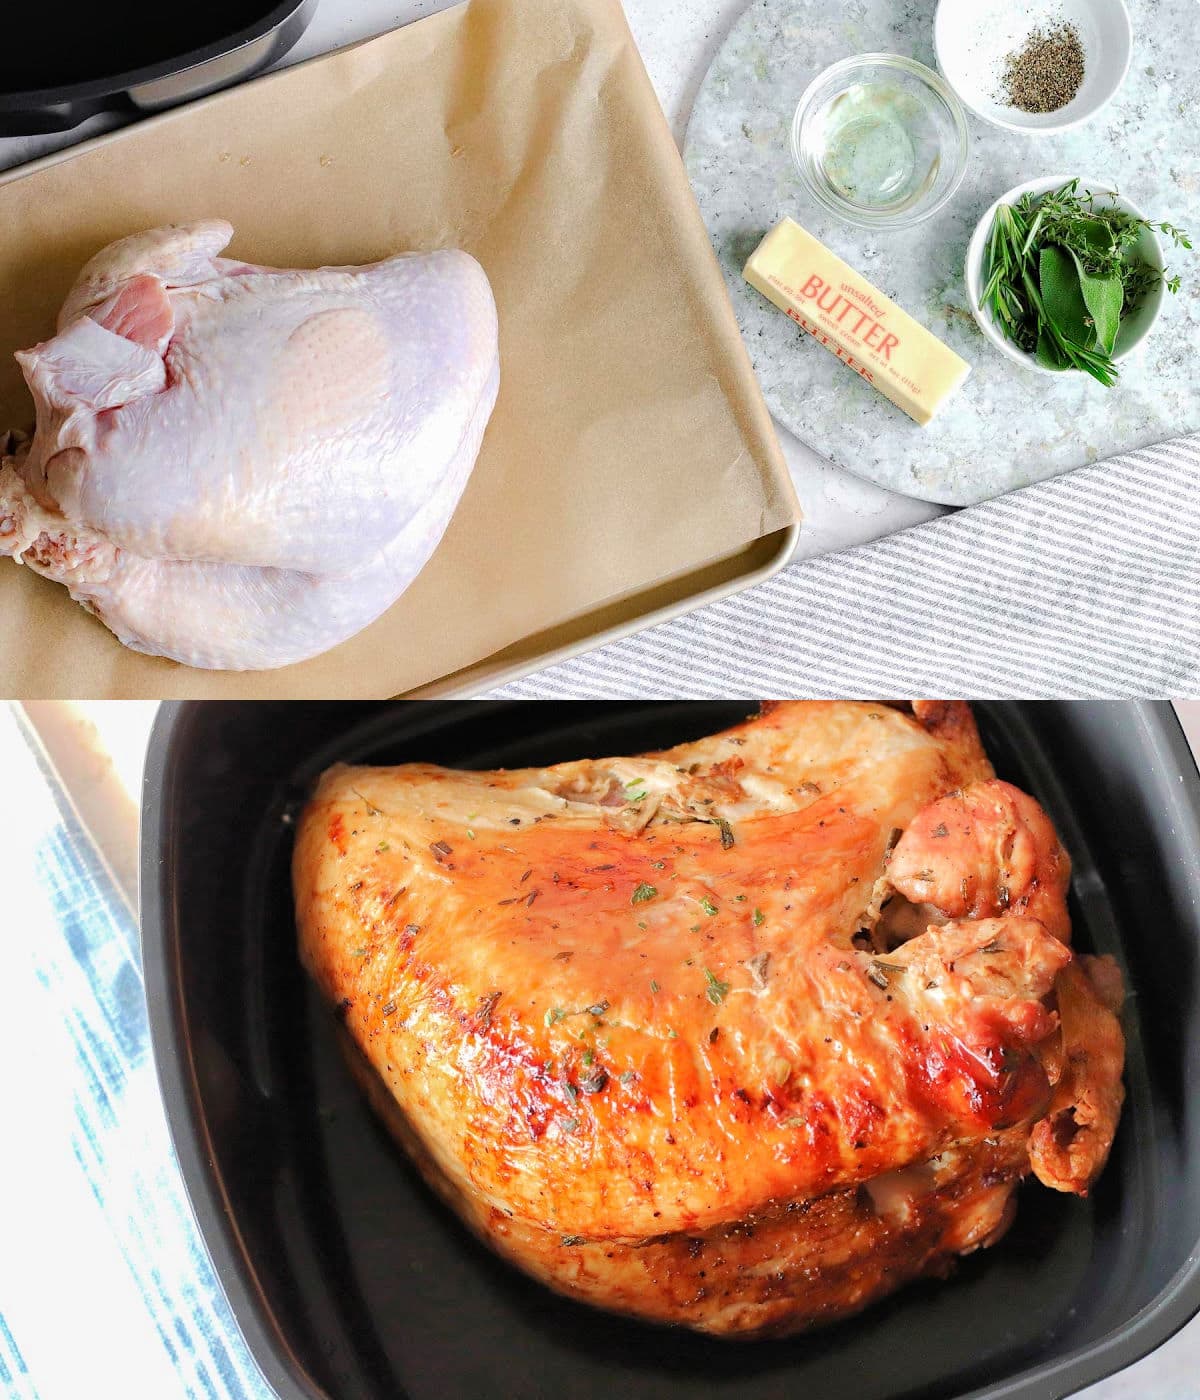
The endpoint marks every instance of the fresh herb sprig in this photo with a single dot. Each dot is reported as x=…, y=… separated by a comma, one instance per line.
x=1062, y=272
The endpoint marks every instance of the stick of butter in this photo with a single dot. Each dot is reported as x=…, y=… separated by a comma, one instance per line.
x=849, y=316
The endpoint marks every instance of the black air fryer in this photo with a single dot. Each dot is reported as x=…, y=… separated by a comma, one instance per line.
x=66, y=62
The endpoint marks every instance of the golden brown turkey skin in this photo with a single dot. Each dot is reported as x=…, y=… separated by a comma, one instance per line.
x=664, y=1031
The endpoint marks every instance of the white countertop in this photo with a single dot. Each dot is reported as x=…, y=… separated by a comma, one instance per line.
x=98, y=749
x=678, y=39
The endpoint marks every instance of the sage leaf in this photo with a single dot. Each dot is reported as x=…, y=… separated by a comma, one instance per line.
x=1104, y=298
x=1062, y=296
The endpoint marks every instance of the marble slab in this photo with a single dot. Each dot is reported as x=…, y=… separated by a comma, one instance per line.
x=1009, y=426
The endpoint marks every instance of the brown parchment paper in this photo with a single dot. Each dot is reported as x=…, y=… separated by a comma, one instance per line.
x=630, y=443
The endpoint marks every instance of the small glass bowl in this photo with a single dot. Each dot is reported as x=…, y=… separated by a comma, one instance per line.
x=889, y=115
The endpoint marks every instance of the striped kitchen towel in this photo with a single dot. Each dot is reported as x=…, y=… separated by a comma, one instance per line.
x=1086, y=585
x=105, y=1286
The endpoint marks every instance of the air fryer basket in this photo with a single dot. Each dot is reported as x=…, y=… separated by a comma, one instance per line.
x=351, y=1281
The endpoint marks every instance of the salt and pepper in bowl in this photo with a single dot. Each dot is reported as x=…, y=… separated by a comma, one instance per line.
x=1036, y=67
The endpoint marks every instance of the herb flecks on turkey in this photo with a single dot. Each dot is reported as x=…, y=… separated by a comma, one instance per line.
x=741, y=1035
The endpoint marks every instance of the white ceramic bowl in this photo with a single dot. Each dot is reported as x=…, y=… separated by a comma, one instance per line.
x=1134, y=328
x=972, y=39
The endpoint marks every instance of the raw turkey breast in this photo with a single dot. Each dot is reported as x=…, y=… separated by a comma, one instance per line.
x=240, y=467
x=741, y=1035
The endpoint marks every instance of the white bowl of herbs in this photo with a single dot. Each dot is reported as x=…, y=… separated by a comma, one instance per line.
x=1068, y=276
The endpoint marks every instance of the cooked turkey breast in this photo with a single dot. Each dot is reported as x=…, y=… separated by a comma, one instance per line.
x=740, y=1035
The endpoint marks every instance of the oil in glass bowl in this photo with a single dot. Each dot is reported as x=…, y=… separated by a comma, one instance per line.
x=880, y=140
x=876, y=151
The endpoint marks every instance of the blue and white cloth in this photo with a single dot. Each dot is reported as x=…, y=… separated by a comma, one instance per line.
x=105, y=1287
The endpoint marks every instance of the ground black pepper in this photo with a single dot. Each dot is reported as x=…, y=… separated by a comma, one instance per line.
x=1044, y=74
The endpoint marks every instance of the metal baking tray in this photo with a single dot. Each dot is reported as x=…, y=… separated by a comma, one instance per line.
x=351, y=1281
x=754, y=563
x=135, y=57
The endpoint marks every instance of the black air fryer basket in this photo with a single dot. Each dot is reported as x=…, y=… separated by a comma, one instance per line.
x=348, y=1278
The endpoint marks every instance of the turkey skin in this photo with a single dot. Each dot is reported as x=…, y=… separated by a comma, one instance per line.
x=741, y=1035
x=239, y=467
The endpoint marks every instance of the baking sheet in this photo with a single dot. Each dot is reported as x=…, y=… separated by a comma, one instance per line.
x=612, y=621
x=630, y=445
